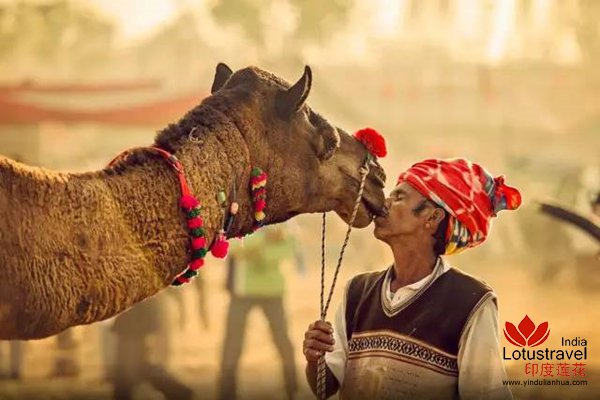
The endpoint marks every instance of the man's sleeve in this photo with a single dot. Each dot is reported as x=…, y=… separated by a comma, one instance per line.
x=481, y=371
x=336, y=360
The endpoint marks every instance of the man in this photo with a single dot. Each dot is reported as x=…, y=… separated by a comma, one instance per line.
x=421, y=329
x=255, y=280
x=135, y=330
x=15, y=357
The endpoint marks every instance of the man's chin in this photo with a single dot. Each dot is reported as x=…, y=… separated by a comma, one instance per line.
x=379, y=221
x=377, y=232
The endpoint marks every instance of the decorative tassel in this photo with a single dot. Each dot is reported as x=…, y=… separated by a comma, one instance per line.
x=258, y=183
x=189, y=202
x=259, y=216
x=260, y=205
x=194, y=223
x=189, y=274
x=200, y=253
x=194, y=212
x=198, y=243
x=196, y=264
x=220, y=247
x=180, y=280
x=197, y=232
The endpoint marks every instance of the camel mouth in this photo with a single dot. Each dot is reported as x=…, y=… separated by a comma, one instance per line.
x=373, y=209
x=365, y=214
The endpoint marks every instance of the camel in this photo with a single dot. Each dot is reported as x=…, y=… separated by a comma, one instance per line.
x=77, y=248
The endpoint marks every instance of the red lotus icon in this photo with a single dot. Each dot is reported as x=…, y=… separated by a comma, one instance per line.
x=526, y=334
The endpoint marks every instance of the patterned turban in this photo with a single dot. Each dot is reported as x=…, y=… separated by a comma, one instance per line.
x=467, y=192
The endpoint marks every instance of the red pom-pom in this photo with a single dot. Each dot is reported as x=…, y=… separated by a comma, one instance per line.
x=260, y=205
x=198, y=242
x=181, y=280
x=195, y=265
x=194, y=223
x=372, y=140
x=220, y=247
x=259, y=178
x=188, y=202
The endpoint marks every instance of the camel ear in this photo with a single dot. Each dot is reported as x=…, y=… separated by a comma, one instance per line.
x=222, y=73
x=290, y=101
x=328, y=142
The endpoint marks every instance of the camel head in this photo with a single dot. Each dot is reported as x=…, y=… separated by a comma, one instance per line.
x=312, y=165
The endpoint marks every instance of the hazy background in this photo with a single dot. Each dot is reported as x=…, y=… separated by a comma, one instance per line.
x=512, y=84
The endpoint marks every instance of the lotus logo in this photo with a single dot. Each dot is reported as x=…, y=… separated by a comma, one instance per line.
x=526, y=333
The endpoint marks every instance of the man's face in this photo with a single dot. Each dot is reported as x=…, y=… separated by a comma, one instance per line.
x=402, y=219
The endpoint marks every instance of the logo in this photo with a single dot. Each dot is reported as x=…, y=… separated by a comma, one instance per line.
x=526, y=334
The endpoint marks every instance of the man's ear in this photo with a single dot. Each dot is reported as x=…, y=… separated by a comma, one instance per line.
x=436, y=217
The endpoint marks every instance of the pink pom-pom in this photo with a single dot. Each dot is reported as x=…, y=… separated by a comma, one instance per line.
x=260, y=205
x=194, y=223
x=195, y=265
x=220, y=247
x=198, y=243
x=188, y=202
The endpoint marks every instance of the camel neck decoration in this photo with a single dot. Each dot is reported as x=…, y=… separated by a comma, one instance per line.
x=258, y=182
x=192, y=208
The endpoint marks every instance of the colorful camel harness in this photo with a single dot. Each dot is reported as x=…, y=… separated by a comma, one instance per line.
x=192, y=208
x=375, y=145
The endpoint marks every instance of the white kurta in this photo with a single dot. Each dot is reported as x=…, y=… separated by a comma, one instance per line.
x=481, y=370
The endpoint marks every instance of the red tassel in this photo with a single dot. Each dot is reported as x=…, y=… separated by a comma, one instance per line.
x=198, y=243
x=258, y=179
x=195, y=265
x=188, y=202
x=220, y=247
x=194, y=223
x=183, y=280
x=260, y=205
x=373, y=141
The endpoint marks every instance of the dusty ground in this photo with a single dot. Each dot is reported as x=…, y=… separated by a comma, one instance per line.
x=195, y=351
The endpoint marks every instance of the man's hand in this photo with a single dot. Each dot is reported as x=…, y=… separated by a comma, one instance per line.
x=318, y=339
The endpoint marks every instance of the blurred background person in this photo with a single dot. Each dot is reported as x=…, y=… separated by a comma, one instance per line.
x=66, y=363
x=255, y=280
x=11, y=356
x=136, y=333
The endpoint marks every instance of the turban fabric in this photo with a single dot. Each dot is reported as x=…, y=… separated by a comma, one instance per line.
x=470, y=194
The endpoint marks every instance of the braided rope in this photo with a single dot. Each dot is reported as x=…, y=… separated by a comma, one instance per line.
x=321, y=366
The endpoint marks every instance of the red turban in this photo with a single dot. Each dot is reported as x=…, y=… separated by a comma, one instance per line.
x=467, y=192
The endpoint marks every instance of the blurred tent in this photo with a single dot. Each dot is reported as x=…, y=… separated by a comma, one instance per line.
x=16, y=108
x=33, y=87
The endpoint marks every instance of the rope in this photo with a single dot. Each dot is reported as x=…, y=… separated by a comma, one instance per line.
x=321, y=366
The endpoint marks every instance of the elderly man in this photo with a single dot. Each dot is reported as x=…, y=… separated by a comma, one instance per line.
x=421, y=329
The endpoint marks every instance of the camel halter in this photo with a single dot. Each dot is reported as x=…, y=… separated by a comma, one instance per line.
x=321, y=366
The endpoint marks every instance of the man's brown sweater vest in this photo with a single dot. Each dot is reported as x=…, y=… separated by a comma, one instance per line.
x=409, y=351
